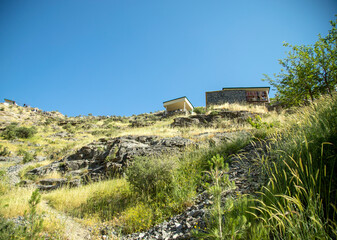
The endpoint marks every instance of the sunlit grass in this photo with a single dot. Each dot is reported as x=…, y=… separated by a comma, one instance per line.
x=255, y=108
x=15, y=202
x=69, y=199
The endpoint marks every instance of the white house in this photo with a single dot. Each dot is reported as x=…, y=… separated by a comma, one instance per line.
x=181, y=103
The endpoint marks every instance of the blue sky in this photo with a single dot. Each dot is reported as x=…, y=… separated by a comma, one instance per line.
x=124, y=57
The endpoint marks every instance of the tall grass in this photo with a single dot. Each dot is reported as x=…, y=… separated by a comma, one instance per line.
x=299, y=201
x=155, y=189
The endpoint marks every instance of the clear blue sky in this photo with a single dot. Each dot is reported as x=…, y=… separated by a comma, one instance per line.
x=123, y=57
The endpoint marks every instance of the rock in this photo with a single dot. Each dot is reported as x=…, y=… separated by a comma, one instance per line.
x=242, y=171
x=110, y=156
x=54, y=183
x=40, y=158
x=61, y=135
x=11, y=159
x=137, y=123
x=204, y=120
x=185, y=122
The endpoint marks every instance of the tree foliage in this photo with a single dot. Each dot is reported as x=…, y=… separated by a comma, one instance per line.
x=308, y=70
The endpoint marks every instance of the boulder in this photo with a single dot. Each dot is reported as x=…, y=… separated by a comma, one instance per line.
x=54, y=183
x=110, y=156
x=185, y=122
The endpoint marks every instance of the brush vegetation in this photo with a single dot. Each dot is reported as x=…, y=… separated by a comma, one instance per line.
x=298, y=199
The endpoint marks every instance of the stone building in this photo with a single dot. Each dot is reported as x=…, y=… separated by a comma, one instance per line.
x=237, y=95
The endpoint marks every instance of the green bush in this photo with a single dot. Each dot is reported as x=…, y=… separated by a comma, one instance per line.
x=214, y=112
x=35, y=221
x=13, y=131
x=4, y=151
x=258, y=124
x=8, y=230
x=150, y=176
x=27, y=157
x=199, y=110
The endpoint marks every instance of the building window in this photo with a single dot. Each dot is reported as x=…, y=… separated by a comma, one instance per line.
x=256, y=96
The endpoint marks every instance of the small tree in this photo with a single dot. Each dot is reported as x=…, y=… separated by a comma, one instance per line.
x=35, y=221
x=307, y=71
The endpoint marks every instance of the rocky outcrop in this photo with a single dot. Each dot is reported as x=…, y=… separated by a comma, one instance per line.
x=217, y=138
x=206, y=120
x=180, y=226
x=247, y=178
x=54, y=183
x=108, y=157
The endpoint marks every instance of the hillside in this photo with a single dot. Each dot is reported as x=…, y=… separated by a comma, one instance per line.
x=153, y=176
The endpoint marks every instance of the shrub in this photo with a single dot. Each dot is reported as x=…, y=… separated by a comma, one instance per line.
x=24, y=132
x=13, y=131
x=35, y=221
x=27, y=157
x=150, y=176
x=8, y=230
x=214, y=112
x=199, y=110
x=220, y=183
x=257, y=123
x=4, y=151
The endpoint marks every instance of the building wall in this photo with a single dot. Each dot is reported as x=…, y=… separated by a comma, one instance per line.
x=227, y=96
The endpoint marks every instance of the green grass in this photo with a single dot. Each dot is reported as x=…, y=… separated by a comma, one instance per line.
x=299, y=199
x=171, y=182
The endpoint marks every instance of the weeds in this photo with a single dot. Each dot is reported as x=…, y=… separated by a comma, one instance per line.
x=32, y=227
x=4, y=151
x=258, y=123
x=301, y=197
x=199, y=110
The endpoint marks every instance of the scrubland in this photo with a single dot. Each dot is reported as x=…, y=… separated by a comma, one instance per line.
x=296, y=201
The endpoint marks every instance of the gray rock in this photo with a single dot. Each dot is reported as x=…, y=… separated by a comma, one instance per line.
x=40, y=158
x=204, y=120
x=107, y=157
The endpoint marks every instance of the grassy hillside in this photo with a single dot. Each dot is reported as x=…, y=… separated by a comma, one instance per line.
x=298, y=197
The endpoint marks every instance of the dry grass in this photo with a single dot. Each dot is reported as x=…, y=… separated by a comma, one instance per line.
x=241, y=107
x=53, y=174
x=68, y=199
x=15, y=202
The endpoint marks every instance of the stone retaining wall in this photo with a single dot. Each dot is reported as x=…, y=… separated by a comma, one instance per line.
x=227, y=96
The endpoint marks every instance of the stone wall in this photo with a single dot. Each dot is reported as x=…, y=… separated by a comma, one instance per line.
x=227, y=96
